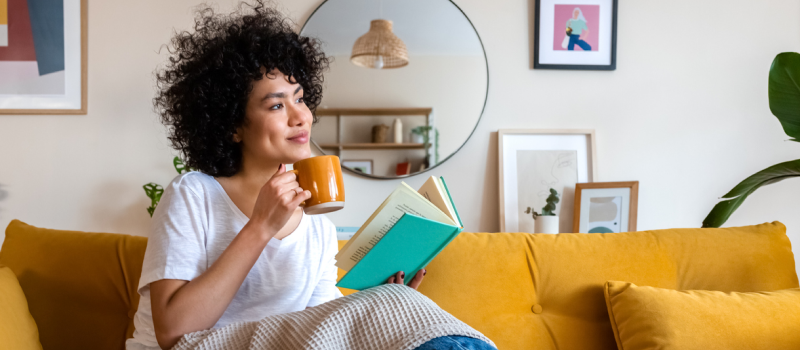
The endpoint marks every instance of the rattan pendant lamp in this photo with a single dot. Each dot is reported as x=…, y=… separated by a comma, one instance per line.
x=379, y=48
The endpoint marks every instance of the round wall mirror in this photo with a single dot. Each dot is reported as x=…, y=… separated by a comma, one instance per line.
x=406, y=87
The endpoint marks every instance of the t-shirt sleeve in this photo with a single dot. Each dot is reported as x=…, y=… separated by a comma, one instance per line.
x=176, y=246
x=326, y=289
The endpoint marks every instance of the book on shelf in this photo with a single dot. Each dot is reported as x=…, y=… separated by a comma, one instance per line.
x=403, y=169
x=404, y=234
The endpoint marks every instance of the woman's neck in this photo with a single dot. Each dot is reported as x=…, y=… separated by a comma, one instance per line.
x=254, y=174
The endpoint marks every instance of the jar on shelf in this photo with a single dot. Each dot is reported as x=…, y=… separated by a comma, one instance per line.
x=379, y=133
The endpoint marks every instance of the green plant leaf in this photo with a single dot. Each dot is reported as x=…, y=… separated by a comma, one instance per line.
x=733, y=199
x=784, y=92
x=154, y=192
x=179, y=166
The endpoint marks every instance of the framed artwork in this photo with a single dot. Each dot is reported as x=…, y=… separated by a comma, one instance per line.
x=43, y=51
x=531, y=162
x=361, y=166
x=575, y=34
x=606, y=207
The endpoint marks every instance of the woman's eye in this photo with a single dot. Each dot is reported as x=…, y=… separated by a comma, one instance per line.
x=301, y=100
x=277, y=106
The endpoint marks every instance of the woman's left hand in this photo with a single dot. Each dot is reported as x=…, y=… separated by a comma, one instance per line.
x=400, y=276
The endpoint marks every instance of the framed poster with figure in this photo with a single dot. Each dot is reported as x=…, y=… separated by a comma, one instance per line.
x=575, y=34
x=43, y=49
x=531, y=162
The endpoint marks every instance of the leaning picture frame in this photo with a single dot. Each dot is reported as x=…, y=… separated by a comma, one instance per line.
x=44, y=60
x=575, y=34
x=606, y=207
x=363, y=166
x=531, y=161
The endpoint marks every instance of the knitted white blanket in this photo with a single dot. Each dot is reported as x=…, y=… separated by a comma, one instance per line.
x=387, y=317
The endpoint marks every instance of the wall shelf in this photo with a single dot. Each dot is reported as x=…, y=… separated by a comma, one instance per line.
x=371, y=112
x=372, y=145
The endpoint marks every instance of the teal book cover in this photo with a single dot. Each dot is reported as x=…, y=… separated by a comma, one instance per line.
x=408, y=246
x=441, y=178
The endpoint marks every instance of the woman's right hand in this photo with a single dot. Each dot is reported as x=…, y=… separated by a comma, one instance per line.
x=277, y=201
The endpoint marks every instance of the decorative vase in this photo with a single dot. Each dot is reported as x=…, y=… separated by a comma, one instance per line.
x=417, y=138
x=398, y=130
x=545, y=224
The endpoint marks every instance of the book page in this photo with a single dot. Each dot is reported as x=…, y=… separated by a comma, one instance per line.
x=434, y=192
x=403, y=200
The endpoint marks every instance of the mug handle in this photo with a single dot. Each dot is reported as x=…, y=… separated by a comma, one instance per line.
x=297, y=174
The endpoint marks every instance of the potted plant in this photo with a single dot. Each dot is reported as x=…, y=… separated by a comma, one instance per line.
x=784, y=102
x=420, y=134
x=547, y=221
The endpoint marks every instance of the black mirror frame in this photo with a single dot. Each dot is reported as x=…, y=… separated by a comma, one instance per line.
x=483, y=109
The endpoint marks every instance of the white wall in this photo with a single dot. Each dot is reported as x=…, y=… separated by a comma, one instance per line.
x=685, y=113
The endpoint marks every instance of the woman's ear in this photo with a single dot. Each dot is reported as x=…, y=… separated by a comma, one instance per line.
x=236, y=138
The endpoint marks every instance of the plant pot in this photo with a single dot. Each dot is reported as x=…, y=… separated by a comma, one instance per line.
x=417, y=138
x=545, y=224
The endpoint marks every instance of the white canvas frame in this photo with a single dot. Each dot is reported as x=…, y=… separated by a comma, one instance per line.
x=74, y=99
x=511, y=140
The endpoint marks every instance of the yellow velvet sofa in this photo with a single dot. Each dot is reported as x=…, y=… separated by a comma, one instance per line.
x=523, y=291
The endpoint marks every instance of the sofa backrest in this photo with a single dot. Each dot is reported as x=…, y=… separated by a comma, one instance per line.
x=545, y=292
x=523, y=291
x=80, y=287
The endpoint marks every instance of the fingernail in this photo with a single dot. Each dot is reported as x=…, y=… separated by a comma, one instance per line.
x=424, y=272
x=402, y=275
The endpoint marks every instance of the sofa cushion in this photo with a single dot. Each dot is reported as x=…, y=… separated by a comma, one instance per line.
x=656, y=318
x=81, y=287
x=17, y=327
x=545, y=291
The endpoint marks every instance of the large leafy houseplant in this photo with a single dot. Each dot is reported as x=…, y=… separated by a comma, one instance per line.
x=784, y=102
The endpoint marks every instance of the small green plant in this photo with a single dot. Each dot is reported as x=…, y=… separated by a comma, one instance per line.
x=154, y=190
x=422, y=131
x=436, y=147
x=549, y=209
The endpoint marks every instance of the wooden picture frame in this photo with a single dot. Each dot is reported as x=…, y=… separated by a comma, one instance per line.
x=633, y=203
x=351, y=165
x=511, y=141
x=545, y=55
x=74, y=100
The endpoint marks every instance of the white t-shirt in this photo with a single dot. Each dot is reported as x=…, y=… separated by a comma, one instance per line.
x=195, y=222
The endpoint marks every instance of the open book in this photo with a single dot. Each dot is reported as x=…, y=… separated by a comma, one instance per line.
x=404, y=234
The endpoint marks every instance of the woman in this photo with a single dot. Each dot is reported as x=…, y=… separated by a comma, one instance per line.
x=577, y=31
x=229, y=242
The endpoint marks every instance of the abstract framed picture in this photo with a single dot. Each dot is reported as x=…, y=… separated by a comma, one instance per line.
x=531, y=162
x=361, y=166
x=606, y=207
x=575, y=34
x=43, y=49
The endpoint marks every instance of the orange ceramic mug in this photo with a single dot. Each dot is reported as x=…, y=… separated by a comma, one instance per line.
x=322, y=176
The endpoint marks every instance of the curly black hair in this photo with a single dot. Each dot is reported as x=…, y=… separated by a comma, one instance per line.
x=203, y=90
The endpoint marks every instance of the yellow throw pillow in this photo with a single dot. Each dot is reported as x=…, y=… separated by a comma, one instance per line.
x=17, y=328
x=656, y=318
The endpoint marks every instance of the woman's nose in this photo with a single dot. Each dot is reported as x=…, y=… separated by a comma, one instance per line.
x=299, y=116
